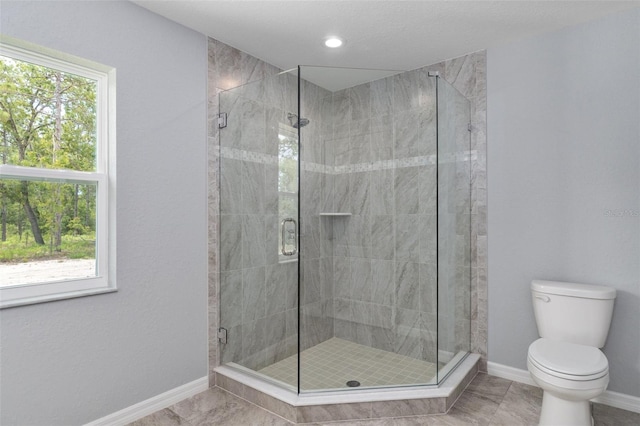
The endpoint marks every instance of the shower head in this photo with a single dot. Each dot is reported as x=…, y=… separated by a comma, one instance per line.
x=295, y=122
x=301, y=122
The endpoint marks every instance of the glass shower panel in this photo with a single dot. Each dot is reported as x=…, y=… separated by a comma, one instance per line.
x=258, y=227
x=454, y=228
x=368, y=228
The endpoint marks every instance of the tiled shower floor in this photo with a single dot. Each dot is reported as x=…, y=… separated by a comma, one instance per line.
x=334, y=362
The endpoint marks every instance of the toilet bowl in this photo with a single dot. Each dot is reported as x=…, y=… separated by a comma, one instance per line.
x=570, y=375
x=566, y=362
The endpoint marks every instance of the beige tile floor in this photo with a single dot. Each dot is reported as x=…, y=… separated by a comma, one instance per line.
x=487, y=401
x=330, y=364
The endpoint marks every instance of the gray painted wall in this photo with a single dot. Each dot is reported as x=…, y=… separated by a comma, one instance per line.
x=563, y=111
x=73, y=361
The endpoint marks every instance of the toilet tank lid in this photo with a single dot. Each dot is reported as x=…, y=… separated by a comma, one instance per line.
x=587, y=291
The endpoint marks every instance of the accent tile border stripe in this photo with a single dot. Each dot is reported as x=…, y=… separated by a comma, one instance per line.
x=260, y=158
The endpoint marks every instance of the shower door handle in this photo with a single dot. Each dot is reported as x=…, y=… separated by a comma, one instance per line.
x=287, y=230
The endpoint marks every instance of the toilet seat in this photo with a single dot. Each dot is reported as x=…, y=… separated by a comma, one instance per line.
x=568, y=361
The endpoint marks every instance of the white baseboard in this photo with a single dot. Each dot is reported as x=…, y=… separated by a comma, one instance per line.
x=613, y=399
x=151, y=405
x=510, y=373
x=619, y=400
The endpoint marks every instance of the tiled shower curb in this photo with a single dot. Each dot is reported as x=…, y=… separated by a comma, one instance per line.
x=350, y=405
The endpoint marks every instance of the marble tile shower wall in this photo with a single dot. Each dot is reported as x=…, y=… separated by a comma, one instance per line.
x=454, y=239
x=384, y=149
x=258, y=294
x=385, y=254
x=379, y=143
x=316, y=250
x=228, y=68
x=468, y=75
x=258, y=291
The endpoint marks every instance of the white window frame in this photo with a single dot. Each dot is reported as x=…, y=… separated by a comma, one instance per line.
x=103, y=178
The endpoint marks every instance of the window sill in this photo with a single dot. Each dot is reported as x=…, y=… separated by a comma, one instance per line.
x=53, y=297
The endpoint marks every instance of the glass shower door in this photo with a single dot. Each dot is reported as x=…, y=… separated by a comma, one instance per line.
x=258, y=228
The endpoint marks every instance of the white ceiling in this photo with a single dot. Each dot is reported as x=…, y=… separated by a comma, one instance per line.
x=400, y=35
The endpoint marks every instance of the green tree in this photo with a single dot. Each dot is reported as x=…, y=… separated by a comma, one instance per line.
x=47, y=120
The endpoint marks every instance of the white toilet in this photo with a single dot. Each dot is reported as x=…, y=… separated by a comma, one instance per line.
x=573, y=322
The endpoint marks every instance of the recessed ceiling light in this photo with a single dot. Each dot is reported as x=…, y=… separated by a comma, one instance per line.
x=333, y=42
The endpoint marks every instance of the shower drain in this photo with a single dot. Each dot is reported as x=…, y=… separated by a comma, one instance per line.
x=353, y=383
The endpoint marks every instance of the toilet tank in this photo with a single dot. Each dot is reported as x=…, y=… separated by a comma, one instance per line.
x=571, y=312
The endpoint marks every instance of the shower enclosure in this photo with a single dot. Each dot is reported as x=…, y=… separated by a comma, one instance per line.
x=345, y=228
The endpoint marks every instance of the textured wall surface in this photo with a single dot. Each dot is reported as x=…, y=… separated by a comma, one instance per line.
x=565, y=168
x=74, y=361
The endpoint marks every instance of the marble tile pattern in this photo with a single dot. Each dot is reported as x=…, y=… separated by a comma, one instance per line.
x=369, y=150
x=391, y=193
x=486, y=401
x=237, y=212
x=467, y=74
x=257, y=294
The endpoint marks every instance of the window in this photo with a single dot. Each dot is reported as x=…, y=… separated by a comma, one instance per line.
x=288, y=190
x=57, y=199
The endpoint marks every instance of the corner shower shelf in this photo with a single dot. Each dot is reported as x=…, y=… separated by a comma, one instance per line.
x=335, y=214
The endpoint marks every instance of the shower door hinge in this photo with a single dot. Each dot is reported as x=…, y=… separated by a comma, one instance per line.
x=222, y=335
x=222, y=120
x=470, y=127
